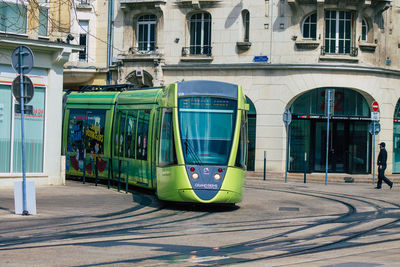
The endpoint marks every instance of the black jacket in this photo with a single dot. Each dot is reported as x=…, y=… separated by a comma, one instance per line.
x=382, y=157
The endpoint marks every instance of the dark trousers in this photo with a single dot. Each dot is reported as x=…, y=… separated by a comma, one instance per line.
x=381, y=176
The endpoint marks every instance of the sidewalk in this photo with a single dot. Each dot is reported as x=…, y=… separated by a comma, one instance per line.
x=320, y=177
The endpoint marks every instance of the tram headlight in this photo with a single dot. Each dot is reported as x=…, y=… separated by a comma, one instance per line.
x=195, y=175
x=217, y=176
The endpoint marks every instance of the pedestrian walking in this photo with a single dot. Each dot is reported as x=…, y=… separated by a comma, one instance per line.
x=382, y=158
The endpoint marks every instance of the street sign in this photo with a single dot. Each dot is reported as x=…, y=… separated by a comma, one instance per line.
x=374, y=130
x=260, y=59
x=26, y=59
x=375, y=116
x=329, y=102
x=28, y=90
x=28, y=109
x=287, y=117
x=375, y=106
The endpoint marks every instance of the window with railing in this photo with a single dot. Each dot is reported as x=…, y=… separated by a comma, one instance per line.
x=200, y=34
x=338, y=31
x=146, y=33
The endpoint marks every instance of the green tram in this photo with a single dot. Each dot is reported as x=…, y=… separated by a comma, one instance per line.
x=186, y=141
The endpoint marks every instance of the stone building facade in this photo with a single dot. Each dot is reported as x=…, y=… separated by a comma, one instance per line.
x=285, y=54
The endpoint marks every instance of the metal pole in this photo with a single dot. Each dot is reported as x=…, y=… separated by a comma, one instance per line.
x=25, y=211
x=96, y=172
x=287, y=151
x=265, y=163
x=119, y=175
x=373, y=153
x=109, y=173
x=84, y=170
x=327, y=137
x=305, y=167
x=127, y=177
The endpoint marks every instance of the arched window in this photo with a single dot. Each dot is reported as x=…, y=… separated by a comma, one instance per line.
x=146, y=33
x=310, y=27
x=365, y=29
x=246, y=25
x=200, y=34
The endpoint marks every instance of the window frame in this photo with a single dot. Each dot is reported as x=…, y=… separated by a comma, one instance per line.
x=23, y=4
x=44, y=5
x=149, y=45
x=246, y=25
x=364, y=30
x=335, y=19
x=309, y=25
x=202, y=45
x=83, y=31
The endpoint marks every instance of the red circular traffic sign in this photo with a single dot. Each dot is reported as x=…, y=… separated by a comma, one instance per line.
x=375, y=106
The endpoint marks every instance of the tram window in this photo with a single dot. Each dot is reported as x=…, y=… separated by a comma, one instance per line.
x=241, y=156
x=120, y=134
x=167, y=155
x=142, y=134
x=130, y=134
x=86, y=132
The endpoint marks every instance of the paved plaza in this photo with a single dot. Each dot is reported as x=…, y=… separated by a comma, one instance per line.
x=277, y=224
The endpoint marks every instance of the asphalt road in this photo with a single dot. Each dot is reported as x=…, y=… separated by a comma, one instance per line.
x=277, y=224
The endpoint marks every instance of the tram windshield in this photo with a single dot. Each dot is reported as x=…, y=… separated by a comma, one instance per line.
x=207, y=125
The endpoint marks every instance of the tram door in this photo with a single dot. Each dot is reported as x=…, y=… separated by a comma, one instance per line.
x=337, y=153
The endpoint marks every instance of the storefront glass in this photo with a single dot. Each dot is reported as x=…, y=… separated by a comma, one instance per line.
x=10, y=122
x=34, y=135
x=396, y=139
x=5, y=128
x=349, y=140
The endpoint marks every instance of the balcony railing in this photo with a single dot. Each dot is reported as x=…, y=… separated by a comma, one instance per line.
x=197, y=50
x=353, y=51
x=143, y=51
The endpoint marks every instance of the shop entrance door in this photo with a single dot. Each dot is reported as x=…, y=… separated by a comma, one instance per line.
x=337, y=149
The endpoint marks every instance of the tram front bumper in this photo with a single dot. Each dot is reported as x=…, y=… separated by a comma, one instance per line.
x=222, y=196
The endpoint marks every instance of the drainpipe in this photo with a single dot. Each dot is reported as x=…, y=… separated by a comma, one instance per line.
x=109, y=39
x=272, y=29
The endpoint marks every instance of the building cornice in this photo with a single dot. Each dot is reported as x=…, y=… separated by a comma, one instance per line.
x=13, y=41
x=303, y=67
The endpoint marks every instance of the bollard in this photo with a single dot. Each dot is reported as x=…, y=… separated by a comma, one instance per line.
x=127, y=177
x=109, y=173
x=305, y=167
x=84, y=171
x=96, y=172
x=119, y=175
x=265, y=163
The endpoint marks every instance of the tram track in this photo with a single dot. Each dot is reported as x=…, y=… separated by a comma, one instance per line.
x=226, y=255
x=363, y=222
x=227, y=258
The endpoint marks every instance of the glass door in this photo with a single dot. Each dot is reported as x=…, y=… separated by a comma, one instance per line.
x=336, y=148
x=359, y=147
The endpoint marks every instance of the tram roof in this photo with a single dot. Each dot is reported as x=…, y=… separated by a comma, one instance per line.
x=110, y=94
x=94, y=97
x=140, y=96
x=205, y=87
